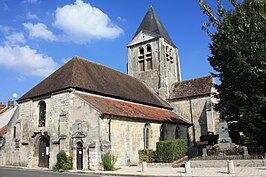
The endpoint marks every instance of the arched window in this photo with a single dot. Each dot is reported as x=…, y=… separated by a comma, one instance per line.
x=42, y=113
x=177, y=132
x=149, y=57
x=162, y=132
x=146, y=135
x=141, y=59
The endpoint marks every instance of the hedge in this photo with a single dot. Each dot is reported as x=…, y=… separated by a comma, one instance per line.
x=147, y=155
x=171, y=150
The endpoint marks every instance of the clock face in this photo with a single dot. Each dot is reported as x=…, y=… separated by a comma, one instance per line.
x=143, y=37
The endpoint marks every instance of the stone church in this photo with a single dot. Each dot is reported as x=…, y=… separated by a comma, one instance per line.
x=88, y=109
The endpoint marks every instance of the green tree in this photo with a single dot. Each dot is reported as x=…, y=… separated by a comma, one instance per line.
x=238, y=55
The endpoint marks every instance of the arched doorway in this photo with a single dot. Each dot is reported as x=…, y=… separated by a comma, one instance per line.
x=79, y=156
x=44, y=151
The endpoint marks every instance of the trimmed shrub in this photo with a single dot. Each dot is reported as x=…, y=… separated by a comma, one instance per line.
x=147, y=155
x=108, y=161
x=171, y=150
x=64, y=162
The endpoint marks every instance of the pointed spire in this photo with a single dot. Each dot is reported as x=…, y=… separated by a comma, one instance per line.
x=153, y=24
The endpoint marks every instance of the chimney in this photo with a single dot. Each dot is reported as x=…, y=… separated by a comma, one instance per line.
x=10, y=103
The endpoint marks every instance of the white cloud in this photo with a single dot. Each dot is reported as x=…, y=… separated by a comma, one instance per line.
x=30, y=1
x=121, y=19
x=15, y=38
x=26, y=61
x=82, y=22
x=39, y=30
x=6, y=29
x=31, y=16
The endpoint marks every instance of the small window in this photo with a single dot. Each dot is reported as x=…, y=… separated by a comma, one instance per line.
x=167, y=54
x=171, y=56
x=42, y=114
x=146, y=136
x=14, y=132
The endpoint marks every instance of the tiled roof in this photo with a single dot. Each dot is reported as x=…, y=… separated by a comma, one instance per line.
x=120, y=108
x=3, y=110
x=85, y=75
x=191, y=88
x=5, y=118
x=3, y=130
x=152, y=23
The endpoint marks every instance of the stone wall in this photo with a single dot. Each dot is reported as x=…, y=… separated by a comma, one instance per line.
x=201, y=113
x=126, y=137
x=164, y=72
x=70, y=120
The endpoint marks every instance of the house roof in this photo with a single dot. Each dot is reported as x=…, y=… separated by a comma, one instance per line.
x=152, y=23
x=5, y=118
x=88, y=76
x=191, y=88
x=120, y=108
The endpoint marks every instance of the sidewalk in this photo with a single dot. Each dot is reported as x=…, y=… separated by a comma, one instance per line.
x=195, y=172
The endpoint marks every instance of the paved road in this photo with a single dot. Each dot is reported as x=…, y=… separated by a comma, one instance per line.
x=13, y=172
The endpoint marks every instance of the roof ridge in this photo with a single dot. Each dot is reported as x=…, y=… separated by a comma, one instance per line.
x=194, y=79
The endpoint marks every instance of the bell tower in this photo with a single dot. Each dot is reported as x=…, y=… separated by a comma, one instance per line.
x=152, y=55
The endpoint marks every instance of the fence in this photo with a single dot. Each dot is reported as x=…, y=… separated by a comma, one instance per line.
x=253, y=153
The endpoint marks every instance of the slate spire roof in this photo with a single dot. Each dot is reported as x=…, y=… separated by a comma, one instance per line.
x=153, y=24
x=84, y=75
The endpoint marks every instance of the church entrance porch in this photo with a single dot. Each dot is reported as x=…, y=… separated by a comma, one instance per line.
x=44, y=149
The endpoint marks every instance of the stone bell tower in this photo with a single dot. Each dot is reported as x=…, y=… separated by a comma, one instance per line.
x=152, y=55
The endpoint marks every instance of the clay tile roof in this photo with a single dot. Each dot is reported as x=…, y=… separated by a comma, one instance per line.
x=120, y=108
x=152, y=23
x=191, y=88
x=3, y=131
x=88, y=76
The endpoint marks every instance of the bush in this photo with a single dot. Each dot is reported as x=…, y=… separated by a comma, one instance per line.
x=64, y=162
x=108, y=161
x=147, y=155
x=215, y=150
x=171, y=150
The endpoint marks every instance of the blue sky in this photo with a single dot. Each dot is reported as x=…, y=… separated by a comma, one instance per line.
x=39, y=36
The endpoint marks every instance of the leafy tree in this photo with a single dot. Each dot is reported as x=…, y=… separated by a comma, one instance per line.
x=238, y=55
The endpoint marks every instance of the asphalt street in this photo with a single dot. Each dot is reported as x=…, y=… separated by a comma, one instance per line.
x=14, y=172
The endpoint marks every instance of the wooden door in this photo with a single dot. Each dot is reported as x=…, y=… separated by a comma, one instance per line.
x=79, y=156
x=44, y=153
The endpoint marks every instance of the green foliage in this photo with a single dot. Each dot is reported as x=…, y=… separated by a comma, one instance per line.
x=64, y=162
x=215, y=150
x=108, y=161
x=239, y=58
x=147, y=155
x=171, y=150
